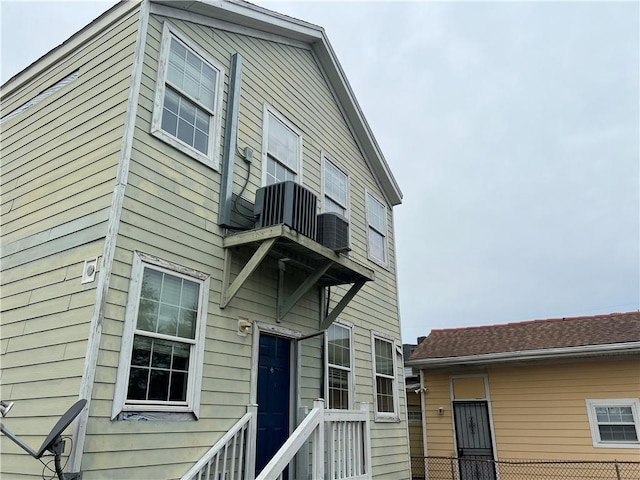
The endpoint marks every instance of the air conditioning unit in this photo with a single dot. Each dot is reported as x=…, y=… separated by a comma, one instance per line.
x=333, y=232
x=287, y=203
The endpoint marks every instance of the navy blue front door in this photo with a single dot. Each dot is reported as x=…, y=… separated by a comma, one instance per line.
x=273, y=397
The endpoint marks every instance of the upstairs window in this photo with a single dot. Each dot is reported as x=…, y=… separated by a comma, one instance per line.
x=384, y=368
x=187, y=106
x=336, y=189
x=162, y=351
x=615, y=423
x=377, y=230
x=339, y=367
x=282, y=149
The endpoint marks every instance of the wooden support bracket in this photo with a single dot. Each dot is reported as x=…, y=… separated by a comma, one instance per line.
x=301, y=290
x=229, y=292
x=329, y=319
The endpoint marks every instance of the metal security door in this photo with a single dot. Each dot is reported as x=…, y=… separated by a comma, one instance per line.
x=274, y=378
x=473, y=437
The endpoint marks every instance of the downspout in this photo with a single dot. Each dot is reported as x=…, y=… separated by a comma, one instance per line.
x=230, y=142
x=106, y=267
x=423, y=409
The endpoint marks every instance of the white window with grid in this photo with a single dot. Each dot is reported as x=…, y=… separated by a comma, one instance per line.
x=186, y=111
x=615, y=423
x=377, y=230
x=282, y=149
x=384, y=378
x=162, y=350
x=339, y=371
x=336, y=189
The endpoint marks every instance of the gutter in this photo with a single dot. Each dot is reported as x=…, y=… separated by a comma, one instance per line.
x=524, y=355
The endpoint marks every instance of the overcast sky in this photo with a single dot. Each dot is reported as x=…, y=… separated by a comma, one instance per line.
x=511, y=127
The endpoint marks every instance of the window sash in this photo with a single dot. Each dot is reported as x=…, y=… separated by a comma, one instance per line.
x=384, y=374
x=174, y=361
x=187, y=102
x=615, y=422
x=338, y=351
x=377, y=229
x=335, y=189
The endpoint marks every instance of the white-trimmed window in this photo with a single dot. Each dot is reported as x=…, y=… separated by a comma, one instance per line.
x=339, y=371
x=615, y=423
x=162, y=351
x=281, y=149
x=336, y=189
x=376, y=229
x=414, y=414
x=187, y=105
x=384, y=378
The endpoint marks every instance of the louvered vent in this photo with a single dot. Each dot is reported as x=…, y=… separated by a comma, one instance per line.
x=333, y=232
x=287, y=203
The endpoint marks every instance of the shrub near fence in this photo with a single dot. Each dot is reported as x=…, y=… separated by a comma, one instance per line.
x=451, y=468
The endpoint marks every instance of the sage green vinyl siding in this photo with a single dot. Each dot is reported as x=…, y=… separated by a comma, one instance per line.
x=59, y=160
x=170, y=210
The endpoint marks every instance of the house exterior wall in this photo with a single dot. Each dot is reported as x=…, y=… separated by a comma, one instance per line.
x=58, y=161
x=416, y=445
x=538, y=410
x=170, y=211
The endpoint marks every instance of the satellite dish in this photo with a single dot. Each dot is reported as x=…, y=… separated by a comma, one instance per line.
x=53, y=443
x=66, y=419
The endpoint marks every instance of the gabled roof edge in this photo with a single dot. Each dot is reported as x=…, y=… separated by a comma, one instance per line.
x=541, y=354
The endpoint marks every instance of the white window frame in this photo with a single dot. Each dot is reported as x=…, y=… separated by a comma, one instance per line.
x=350, y=376
x=326, y=160
x=382, y=262
x=215, y=126
x=414, y=414
x=634, y=403
x=384, y=416
x=268, y=110
x=192, y=403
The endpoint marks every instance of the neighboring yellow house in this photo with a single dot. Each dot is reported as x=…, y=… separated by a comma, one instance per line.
x=560, y=389
x=197, y=239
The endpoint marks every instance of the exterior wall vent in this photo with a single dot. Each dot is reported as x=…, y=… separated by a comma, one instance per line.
x=333, y=232
x=287, y=203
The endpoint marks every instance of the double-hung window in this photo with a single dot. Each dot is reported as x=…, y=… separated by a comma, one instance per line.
x=163, y=342
x=339, y=367
x=282, y=149
x=384, y=378
x=377, y=229
x=336, y=189
x=188, y=98
x=615, y=423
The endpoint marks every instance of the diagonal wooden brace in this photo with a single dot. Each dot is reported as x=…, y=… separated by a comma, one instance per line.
x=329, y=319
x=302, y=289
x=247, y=270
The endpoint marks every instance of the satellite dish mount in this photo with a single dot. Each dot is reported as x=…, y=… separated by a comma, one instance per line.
x=54, y=442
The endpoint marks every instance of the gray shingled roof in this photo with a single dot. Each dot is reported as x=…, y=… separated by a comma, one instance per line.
x=530, y=335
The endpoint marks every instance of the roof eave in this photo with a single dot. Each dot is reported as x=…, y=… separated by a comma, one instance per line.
x=528, y=355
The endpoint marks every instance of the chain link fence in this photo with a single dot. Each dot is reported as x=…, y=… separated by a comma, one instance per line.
x=452, y=468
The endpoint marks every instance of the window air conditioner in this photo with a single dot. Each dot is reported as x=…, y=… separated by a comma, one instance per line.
x=287, y=203
x=333, y=232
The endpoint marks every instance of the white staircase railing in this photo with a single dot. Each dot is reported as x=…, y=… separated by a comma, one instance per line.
x=347, y=445
x=233, y=456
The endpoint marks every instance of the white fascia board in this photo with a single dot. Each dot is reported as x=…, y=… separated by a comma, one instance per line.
x=251, y=16
x=524, y=355
x=65, y=48
x=258, y=18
